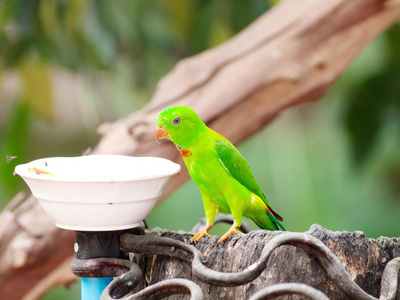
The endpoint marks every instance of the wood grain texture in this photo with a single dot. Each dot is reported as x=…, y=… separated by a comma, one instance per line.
x=364, y=259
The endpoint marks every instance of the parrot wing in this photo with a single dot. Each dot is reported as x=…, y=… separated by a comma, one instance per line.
x=239, y=169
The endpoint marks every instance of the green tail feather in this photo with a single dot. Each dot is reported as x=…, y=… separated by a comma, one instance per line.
x=276, y=221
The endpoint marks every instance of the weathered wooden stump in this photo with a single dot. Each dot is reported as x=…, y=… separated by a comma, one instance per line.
x=349, y=259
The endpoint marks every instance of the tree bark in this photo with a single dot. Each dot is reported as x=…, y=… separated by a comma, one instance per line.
x=290, y=55
x=364, y=260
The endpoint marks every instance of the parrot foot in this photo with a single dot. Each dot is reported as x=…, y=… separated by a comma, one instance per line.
x=230, y=232
x=201, y=234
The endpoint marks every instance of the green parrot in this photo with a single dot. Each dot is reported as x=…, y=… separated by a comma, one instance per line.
x=221, y=173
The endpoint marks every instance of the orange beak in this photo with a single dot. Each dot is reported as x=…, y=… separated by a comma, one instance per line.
x=161, y=133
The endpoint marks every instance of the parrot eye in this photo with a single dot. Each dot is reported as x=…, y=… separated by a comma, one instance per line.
x=176, y=121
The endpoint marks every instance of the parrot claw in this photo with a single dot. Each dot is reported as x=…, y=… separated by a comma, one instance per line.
x=200, y=235
x=230, y=232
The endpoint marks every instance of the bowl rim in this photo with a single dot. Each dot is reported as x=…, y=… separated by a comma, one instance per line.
x=22, y=169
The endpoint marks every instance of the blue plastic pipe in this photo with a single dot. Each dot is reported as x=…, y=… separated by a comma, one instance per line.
x=92, y=287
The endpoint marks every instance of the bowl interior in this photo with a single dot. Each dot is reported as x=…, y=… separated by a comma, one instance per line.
x=99, y=168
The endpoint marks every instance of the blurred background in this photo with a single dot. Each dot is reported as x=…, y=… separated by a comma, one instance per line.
x=69, y=66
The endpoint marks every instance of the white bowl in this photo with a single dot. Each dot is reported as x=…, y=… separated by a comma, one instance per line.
x=97, y=192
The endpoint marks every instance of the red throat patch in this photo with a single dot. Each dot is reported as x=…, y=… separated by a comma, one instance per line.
x=184, y=152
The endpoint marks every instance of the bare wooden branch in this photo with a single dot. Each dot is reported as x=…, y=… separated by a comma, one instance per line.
x=289, y=56
x=31, y=249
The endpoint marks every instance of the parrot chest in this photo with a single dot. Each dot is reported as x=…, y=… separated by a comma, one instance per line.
x=212, y=178
x=203, y=167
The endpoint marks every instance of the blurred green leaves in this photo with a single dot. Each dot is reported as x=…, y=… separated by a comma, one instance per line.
x=36, y=87
x=374, y=102
x=14, y=130
x=61, y=32
x=77, y=34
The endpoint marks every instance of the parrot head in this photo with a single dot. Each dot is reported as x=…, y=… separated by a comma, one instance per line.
x=180, y=124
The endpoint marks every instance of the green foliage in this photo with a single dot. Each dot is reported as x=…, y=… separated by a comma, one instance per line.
x=35, y=77
x=374, y=102
x=72, y=291
x=92, y=34
x=63, y=32
x=13, y=132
